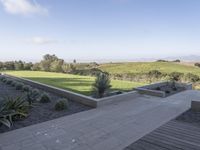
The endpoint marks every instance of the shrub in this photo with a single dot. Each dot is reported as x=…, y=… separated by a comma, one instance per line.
x=4, y=80
x=61, y=104
x=32, y=96
x=19, y=86
x=192, y=77
x=101, y=85
x=167, y=92
x=26, y=88
x=197, y=64
x=154, y=74
x=175, y=76
x=158, y=88
x=14, y=83
x=9, y=82
x=45, y=98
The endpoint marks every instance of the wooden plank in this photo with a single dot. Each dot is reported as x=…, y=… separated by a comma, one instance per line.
x=174, y=135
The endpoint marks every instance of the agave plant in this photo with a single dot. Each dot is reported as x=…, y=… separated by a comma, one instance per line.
x=101, y=85
x=12, y=108
x=5, y=116
x=18, y=104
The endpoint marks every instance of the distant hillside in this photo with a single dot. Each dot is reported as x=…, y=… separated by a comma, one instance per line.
x=144, y=67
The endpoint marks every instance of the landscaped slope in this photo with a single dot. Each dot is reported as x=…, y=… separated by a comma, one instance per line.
x=76, y=83
x=144, y=67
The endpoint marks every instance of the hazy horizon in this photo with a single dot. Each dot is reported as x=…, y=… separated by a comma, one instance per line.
x=94, y=30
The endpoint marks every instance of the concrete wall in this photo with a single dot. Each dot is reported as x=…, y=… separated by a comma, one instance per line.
x=117, y=98
x=86, y=100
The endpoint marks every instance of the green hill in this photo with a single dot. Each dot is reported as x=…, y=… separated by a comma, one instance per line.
x=144, y=67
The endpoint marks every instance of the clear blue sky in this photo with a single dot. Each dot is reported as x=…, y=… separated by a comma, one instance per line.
x=99, y=29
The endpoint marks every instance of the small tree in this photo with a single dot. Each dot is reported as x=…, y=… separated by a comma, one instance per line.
x=101, y=85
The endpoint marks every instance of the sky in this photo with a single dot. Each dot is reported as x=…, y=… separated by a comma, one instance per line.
x=99, y=29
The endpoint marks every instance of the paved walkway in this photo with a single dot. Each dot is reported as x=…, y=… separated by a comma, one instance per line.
x=112, y=127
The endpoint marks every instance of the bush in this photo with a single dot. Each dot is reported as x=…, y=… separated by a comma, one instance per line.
x=32, y=95
x=197, y=64
x=192, y=77
x=101, y=85
x=175, y=76
x=45, y=98
x=26, y=88
x=14, y=83
x=61, y=104
x=19, y=86
x=9, y=82
x=4, y=80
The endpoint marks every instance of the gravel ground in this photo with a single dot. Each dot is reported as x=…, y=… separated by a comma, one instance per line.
x=40, y=112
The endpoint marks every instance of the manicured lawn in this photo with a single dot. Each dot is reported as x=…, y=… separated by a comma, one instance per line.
x=76, y=83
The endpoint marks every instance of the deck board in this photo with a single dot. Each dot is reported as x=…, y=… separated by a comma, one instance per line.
x=174, y=135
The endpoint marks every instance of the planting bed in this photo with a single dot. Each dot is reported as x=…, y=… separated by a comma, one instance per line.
x=164, y=89
x=40, y=112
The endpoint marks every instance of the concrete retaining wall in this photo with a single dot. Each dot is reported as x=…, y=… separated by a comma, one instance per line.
x=86, y=100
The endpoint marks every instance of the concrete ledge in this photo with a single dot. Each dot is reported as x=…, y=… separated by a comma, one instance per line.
x=151, y=92
x=117, y=98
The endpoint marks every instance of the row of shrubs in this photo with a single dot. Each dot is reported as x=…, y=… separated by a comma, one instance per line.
x=17, y=107
x=155, y=75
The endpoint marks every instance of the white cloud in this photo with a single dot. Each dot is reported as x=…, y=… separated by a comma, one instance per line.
x=41, y=40
x=23, y=7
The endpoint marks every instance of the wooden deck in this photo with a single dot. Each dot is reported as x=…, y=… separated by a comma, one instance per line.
x=174, y=135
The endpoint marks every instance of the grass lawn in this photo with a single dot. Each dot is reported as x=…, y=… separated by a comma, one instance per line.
x=76, y=83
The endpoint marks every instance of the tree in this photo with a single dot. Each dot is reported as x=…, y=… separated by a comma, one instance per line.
x=9, y=65
x=36, y=67
x=1, y=65
x=28, y=66
x=19, y=65
x=101, y=85
x=46, y=62
x=56, y=66
x=65, y=67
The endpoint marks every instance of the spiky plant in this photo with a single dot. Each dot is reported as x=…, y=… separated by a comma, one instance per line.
x=101, y=85
x=12, y=108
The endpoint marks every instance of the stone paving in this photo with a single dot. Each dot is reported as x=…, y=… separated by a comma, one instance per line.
x=111, y=127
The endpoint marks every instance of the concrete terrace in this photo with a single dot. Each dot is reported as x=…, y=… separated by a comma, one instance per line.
x=110, y=127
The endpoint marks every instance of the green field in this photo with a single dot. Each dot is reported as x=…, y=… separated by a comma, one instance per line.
x=76, y=83
x=144, y=67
